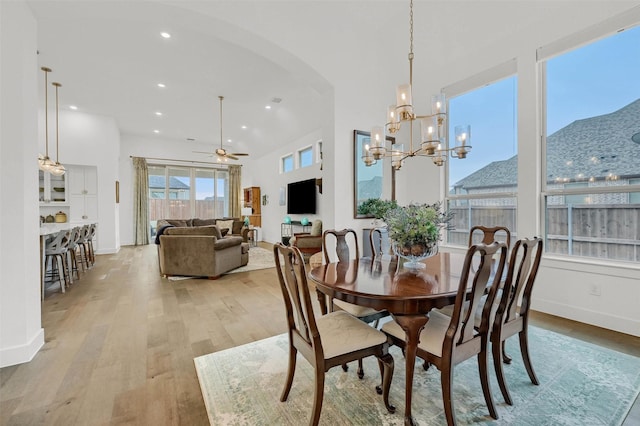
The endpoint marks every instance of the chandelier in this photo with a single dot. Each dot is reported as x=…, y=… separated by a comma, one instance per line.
x=44, y=162
x=433, y=140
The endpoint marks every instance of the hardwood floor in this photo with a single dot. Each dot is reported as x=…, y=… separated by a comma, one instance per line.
x=120, y=343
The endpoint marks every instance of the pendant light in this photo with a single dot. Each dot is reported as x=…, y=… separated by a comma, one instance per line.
x=57, y=169
x=44, y=162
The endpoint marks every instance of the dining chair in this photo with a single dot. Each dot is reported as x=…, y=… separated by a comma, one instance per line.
x=511, y=319
x=447, y=341
x=490, y=234
x=375, y=241
x=329, y=340
x=343, y=241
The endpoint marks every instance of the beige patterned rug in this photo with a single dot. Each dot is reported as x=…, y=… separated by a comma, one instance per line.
x=580, y=384
x=259, y=258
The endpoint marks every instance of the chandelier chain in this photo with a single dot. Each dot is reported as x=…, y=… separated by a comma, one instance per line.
x=411, y=30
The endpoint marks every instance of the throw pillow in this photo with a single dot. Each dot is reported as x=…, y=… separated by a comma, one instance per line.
x=316, y=228
x=225, y=224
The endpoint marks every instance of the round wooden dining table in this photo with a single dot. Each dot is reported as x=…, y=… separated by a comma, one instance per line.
x=407, y=294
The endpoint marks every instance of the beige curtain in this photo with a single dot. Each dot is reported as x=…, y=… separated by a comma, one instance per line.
x=235, y=191
x=141, y=201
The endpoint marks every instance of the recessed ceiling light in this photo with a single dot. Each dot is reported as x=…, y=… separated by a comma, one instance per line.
x=73, y=107
x=267, y=107
x=156, y=131
x=158, y=113
x=229, y=140
x=165, y=35
x=244, y=127
x=161, y=85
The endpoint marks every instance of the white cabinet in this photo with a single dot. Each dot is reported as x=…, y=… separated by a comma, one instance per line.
x=53, y=189
x=83, y=193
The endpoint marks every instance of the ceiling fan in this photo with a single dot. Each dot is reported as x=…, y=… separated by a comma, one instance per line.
x=221, y=152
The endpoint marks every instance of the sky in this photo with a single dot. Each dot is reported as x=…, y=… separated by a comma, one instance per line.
x=592, y=80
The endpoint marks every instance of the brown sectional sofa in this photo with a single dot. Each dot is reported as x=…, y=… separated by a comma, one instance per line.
x=198, y=250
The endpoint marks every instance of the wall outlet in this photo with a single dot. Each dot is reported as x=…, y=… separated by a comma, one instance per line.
x=594, y=289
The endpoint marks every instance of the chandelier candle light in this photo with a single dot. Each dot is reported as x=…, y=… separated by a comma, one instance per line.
x=433, y=141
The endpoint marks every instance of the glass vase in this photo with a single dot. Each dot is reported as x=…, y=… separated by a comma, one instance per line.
x=413, y=253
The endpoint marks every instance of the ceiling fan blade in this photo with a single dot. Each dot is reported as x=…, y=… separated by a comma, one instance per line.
x=203, y=152
x=233, y=157
x=240, y=154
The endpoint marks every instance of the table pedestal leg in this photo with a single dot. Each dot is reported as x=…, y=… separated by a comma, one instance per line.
x=412, y=326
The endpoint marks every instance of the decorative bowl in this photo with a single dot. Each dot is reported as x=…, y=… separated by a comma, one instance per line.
x=414, y=253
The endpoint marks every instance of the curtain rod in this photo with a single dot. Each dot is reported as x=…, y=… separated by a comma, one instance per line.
x=186, y=161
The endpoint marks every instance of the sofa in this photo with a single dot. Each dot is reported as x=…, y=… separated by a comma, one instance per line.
x=199, y=251
x=228, y=226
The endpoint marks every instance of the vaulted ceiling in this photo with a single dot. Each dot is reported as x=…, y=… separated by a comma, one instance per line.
x=110, y=58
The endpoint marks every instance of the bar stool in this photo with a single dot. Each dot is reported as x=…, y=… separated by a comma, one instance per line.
x=83, y=246
x=92, y=234
x=57, y=249
x=73, y=245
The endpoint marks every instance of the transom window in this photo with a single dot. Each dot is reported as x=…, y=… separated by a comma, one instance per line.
x=305, y=157
x=286, y=163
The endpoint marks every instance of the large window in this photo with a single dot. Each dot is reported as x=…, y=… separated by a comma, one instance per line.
x=592, y=149
x=482, y=187
x=187, y=192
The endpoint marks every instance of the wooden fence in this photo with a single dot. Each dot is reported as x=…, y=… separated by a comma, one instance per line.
x=589, y=230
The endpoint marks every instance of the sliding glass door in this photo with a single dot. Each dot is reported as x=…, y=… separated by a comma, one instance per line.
x=187, y=192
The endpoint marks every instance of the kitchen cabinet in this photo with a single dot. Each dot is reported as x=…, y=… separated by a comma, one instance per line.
x=83, y=193
x=53, y=189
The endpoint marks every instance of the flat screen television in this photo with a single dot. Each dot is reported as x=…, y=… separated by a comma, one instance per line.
x=301, y=197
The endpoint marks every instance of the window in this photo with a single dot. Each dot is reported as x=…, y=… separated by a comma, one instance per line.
x=286, y=163
x=482, y=187
x=305, y=157
x=186, y=192
x=592, y=149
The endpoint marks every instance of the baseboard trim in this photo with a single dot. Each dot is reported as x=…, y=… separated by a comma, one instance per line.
x=23, y=353
x=611, y=322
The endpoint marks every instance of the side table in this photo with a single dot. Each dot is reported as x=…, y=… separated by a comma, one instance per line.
x=253, y=236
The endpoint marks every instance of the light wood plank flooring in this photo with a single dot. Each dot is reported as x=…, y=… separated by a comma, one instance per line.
x=120, y=344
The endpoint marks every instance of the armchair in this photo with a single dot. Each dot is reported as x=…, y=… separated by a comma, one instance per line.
x=308, y=243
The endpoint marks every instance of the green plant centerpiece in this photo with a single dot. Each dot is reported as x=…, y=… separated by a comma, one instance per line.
x=376, y=208
x=414, y=231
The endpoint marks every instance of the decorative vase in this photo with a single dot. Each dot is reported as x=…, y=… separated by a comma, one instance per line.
x=414, y=252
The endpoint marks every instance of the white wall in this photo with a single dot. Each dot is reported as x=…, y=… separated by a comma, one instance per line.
x=21, y=334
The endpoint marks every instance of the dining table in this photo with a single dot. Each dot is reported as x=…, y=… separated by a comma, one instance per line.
x=383, y=283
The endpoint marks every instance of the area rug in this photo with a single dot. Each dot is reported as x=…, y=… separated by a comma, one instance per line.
x=580, y=384
x=259, y=258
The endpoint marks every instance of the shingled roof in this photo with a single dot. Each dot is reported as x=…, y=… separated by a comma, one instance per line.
x=158, y=182
x=585, y=149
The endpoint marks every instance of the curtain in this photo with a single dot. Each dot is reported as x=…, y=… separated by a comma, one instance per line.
x=141, y=201
x=235, y=191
